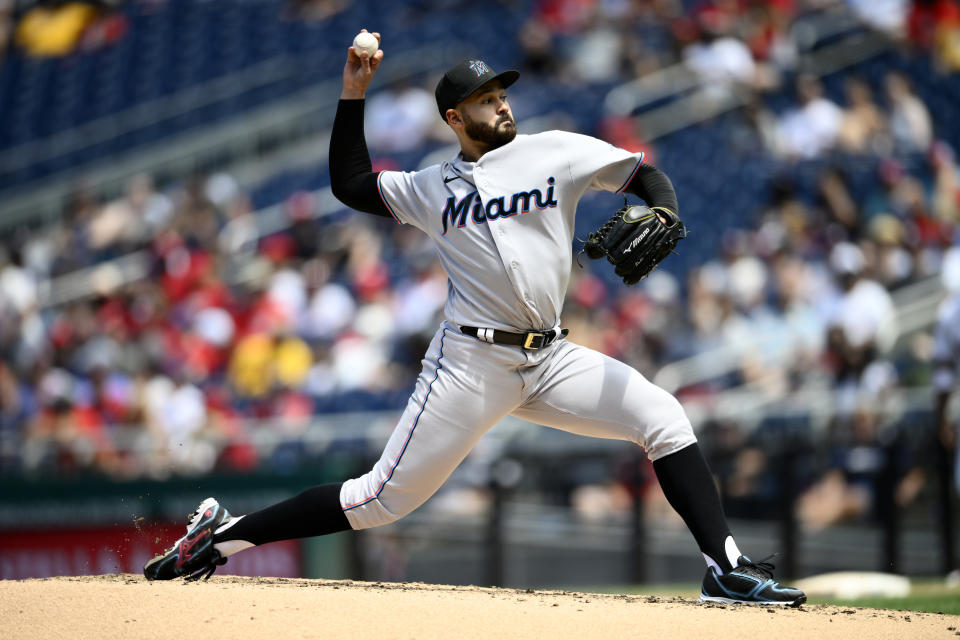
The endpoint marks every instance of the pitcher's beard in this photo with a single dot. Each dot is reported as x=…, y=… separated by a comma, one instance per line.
x=492, y=136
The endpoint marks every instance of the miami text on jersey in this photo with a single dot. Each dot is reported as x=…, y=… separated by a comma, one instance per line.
x=455, y=212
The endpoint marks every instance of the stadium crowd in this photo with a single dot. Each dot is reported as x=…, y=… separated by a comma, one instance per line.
x=227, y=330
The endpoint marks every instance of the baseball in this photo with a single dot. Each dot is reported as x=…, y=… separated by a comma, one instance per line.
x=365, y=42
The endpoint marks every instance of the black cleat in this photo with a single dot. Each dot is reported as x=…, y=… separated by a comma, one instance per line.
x=750, y=583
x=192, y=556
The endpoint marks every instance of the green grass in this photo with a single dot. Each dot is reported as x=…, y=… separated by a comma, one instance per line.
x=932, y=604
x=925, y=595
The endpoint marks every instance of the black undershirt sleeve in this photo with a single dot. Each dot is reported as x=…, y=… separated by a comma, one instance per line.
x=351, y=175
x=654, y=187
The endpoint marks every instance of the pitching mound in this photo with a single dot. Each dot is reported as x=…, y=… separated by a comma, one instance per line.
x=128, y=607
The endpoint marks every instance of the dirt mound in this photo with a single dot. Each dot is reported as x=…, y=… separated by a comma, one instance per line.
x=128, y=607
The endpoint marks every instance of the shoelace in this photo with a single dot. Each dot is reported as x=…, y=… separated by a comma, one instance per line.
x=602, y=231
x=192, y=519
x=204, y=573
x=761, y=569
x=598, y=234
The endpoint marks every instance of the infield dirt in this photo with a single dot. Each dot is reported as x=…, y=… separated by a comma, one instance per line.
x=128, y=607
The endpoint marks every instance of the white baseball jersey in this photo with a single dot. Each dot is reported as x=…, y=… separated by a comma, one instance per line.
x=503, y=228
x=503, y=225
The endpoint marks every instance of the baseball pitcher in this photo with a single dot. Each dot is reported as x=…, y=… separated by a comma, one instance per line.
x=501, y=216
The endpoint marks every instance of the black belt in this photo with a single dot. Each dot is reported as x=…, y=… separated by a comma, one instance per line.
x=530, y=340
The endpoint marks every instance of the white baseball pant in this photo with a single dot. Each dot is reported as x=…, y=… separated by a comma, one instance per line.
x=467, y=386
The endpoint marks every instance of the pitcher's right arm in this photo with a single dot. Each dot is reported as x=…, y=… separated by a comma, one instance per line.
x=351, y=173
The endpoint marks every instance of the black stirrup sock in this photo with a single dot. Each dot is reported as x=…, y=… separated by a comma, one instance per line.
x=688, y=485
x=315, y=512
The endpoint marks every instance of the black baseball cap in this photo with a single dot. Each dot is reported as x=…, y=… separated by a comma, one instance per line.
x=464, y=78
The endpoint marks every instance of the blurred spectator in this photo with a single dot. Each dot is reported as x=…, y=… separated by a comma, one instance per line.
x=68, y=433
x=905, y=197
x=935, y=25
x=709, y=305
x=842, y=210
x=894, y=264
x=285, y=296
x=757, y=133
x=262, y=362
x=909, y=119
x=563, y=17
x=196, y=219
x=864, y=127
x=183, y=417
x=131, y=220
x=889, y=16
x=767, y=32
x=365, y=270
x=722, y=61
x=796, y=294
x=946, y=189
x=400, y=118
x=18, y=286
x=847, y=491
x=221, y=189
x=539, y=53
x=110, y=27
x=865, y=455
x=237, y=240
x=301, y=209
x=17, y=399
x=330, y=311
x=596, y=54
x=56, y=28
x=418, y=302
x=761, y=337
x=812, y=128
x=863, y=322
x=359, y=363
x=155, y=209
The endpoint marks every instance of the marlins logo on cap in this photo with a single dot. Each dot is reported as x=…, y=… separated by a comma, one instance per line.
x=464, y=78
x=479, y=67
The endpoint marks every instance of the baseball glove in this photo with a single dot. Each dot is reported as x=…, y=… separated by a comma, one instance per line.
x=636, y=239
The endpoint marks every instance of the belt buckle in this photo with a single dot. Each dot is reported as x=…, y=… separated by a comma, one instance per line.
x=528, y=343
